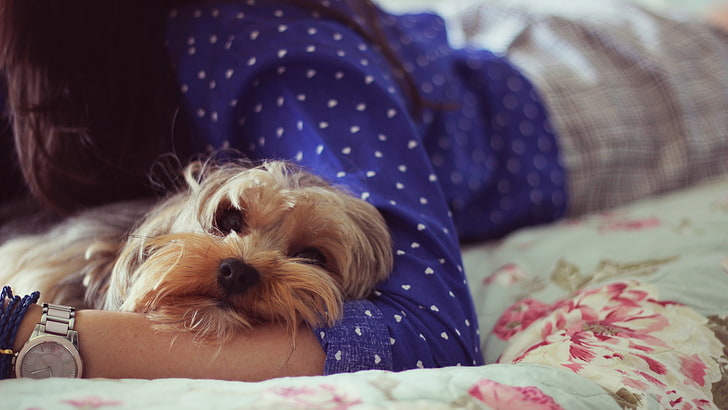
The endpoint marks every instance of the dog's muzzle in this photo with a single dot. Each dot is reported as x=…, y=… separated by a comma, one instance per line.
x=236, y=276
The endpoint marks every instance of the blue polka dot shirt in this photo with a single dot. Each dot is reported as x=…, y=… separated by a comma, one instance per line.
x=278, y=81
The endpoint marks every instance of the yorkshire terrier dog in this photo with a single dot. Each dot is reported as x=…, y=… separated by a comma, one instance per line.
x=241, y=245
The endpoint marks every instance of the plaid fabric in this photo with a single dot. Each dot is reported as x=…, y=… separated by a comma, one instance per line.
x=639, y=101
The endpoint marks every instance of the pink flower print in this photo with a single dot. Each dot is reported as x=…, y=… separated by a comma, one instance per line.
x=694, y=369
x=91, y=402
x=681, y=403
x=507, y=275
x=650, y=378
x=638, y=385
x=597, y=322
x=581, y=349
x=654, y=365
x=502, y=396
x=621, y=336
x=518, y=317
x=625, y=224
x=323, y=396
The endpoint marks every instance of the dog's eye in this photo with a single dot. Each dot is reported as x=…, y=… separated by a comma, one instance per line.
x=312, y=256
x=230, y=220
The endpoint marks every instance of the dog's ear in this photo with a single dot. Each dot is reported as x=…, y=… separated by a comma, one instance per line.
x=372, y=256
x=371, y=253
x=158, y=220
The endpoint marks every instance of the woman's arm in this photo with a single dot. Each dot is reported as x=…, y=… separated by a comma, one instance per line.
x=124, y=345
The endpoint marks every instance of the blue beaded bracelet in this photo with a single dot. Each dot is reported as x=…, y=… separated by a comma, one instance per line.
x=10, y=317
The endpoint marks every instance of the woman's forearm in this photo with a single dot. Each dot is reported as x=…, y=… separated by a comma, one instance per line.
x=124, y=345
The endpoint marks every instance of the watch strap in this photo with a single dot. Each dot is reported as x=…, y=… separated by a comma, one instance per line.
x=58, y=320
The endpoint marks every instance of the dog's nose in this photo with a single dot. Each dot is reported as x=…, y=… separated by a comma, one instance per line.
x=236, y=276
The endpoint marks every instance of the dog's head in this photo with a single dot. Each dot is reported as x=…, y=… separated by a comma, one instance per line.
x=246, y=245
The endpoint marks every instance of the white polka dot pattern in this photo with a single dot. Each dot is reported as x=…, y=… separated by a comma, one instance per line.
x=277, y=82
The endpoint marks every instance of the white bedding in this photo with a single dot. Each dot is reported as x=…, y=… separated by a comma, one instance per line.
x=422, y=388
x=617, y=308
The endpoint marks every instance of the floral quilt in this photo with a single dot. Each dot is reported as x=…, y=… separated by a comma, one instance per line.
x=626, y=309
x=635, y=299
x=622, y=337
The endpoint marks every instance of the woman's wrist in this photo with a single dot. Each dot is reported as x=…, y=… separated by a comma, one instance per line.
x=15, y=325
x=32, y=317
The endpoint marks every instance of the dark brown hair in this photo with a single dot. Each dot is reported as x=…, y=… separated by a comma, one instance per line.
x=93, y=98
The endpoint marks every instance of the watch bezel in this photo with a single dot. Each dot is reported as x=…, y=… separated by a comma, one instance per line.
x=67, y=345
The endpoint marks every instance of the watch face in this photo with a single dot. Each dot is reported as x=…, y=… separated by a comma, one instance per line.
x=48, y=356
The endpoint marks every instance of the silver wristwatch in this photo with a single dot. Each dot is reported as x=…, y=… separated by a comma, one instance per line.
x=52, y=350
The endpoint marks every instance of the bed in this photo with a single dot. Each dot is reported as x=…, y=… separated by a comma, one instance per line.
x=622, y=309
